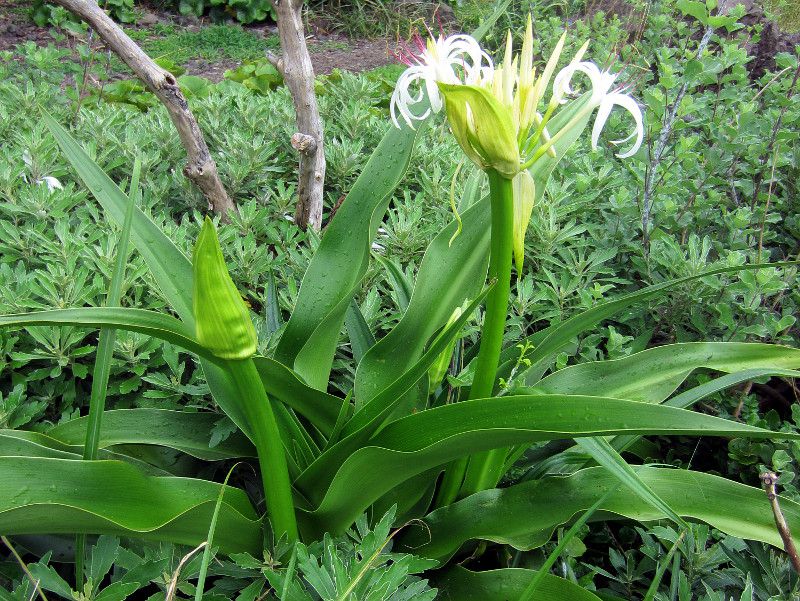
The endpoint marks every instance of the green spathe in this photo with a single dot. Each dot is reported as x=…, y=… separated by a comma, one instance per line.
x=223, y=323
x=483, y=128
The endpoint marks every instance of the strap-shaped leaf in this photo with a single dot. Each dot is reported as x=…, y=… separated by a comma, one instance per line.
x=654, y=374
x=281, y=383
x=157, y=325
x=187, y=432
x=448, y=275
x=422, y=441
x=170, y=267
x=341, y=260
x=525, y=515
x=459, y=584
x=62, y=496
x=549, y=342
x=367, y=421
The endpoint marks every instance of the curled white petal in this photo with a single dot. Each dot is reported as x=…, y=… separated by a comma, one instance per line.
x=630, y=105
x=457, y=59
x=562, y=83
x=603, y=112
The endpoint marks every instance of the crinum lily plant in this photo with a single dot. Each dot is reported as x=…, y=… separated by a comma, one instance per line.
x=407, y=436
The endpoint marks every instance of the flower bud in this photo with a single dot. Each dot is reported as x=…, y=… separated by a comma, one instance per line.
x=223, y=323
x=524, y=196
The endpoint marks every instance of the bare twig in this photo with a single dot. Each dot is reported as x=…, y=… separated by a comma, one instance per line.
x=34, y=581
x=661, y=146
x=173, y=583
x=766, y=207
x=200, y=167
x=759, y=178
x=769, y=479
x=298, y=74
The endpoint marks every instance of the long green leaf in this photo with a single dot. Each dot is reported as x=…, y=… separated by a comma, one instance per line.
x=360, y=427
x=158, y=325
x=281, y=383
x=361, y=338
x=22, y=443
x=533, y=586
x=459, y=584
x=309, y=340
x=402, y=287
x=187, y=432
x=170, y=267
x=604, y=454
x=448, y=275
x=654, y=374
x=59, y=496
x=525, y=515
x=105, y=351
x=422, y=441
x=561, y=334
x=691, y=396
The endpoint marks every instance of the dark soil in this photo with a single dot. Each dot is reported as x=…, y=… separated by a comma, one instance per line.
x=328, y=51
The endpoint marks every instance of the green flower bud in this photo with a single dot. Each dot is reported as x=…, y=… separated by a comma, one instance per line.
x=524, y=197
x=437, y=371
x=223, y=323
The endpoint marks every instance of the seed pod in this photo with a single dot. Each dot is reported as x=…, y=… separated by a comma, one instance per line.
x=222, y=320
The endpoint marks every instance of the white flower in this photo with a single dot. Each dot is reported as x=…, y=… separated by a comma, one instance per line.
x=457, y=59
x=51, y=183
x=48, y=180
x=604, y=99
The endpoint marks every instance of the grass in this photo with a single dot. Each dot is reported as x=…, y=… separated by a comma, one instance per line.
x=328, y=45
x=212, y=43
x=787, y=13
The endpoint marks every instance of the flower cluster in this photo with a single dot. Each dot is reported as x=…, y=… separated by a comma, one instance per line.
x=499, y=114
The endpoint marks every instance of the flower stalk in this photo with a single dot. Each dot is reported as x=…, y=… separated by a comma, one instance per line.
x=223, y=325
x=482, y=471
x=462, y=477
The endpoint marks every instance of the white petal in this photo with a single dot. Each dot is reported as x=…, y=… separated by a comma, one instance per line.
x=630, y=105
x=602, y=116
x=561, y=84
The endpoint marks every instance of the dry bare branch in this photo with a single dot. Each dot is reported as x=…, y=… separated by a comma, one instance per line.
x=298, y=74
x=200, y=168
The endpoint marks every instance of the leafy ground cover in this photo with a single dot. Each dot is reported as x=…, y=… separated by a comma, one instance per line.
x=725, y=194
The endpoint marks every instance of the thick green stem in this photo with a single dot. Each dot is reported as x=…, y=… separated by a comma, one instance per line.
x=483, y=468
x=266, y=437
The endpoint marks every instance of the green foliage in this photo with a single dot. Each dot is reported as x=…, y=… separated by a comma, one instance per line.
x=358, y=565
x=244, y=11
x=57, y=250
x=258, y=75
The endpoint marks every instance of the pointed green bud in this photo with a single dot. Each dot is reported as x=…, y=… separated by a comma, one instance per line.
x=438, y=369
x=483, y=127
x=223, y=323
x=524, y=190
